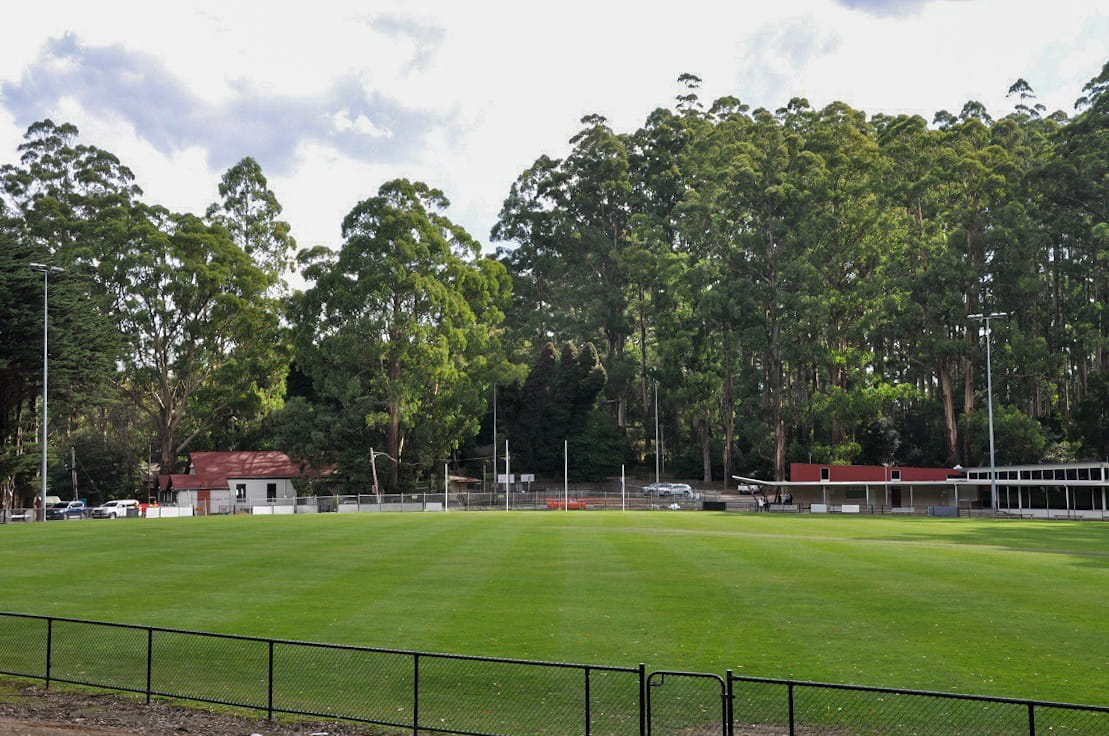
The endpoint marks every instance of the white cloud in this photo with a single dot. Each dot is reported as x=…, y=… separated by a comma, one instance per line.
x=360, y=124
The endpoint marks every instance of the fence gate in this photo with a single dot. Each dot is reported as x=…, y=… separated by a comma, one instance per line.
x=687, y=704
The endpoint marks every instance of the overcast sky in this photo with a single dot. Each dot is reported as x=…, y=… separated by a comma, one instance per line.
x=334, y=98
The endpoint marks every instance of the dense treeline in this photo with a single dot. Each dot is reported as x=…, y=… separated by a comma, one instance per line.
x=798, y=282
x=782, y=285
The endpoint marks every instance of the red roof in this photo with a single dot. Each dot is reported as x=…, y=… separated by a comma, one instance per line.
x=223, y=465
x=212, y=469
x=811, y=473
x=182, y=481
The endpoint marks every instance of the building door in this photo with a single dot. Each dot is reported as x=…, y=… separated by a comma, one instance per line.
x=203, y=500
x=895, y=496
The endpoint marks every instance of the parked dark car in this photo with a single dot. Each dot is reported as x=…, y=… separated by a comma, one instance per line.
x=66, y=510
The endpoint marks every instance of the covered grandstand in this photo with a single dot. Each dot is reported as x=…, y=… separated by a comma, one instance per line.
x=1065, y=490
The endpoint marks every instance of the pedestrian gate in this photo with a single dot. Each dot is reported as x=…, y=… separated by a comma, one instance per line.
x=683, y=703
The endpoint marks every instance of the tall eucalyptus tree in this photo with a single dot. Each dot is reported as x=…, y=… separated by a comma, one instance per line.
x=402, y=324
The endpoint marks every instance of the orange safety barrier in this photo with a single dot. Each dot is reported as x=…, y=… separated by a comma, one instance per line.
x=566, y=504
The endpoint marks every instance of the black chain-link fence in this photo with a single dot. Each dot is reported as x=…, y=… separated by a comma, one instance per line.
x=442, y=693
x=413, y=691
x=764, y=707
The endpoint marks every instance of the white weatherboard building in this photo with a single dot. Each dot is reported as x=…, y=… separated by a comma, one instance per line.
x=220, y=482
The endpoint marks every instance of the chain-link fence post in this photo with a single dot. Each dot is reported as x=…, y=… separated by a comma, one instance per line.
x=269, y=685
x=415, y=694
x=729, y=704
x=642, y=699
x=49, y=648
x=149, y=662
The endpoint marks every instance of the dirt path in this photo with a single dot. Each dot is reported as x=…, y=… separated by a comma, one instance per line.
x=29, y=710
x=14, y=727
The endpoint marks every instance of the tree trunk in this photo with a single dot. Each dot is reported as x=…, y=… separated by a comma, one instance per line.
x=776, y=383
x=729, y=413
x=168, y=449
x=392, y=439
x=950, y=428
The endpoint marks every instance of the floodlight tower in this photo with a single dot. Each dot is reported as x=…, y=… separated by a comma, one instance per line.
x=985, y=318
x=46, y=271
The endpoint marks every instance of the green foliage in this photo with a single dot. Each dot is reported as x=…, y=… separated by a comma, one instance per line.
x=1092, y=417
x=205, y=342
x=843, y=453
x=163, y=308
x=880, y=442
x=249, y=211
x=400, y=329
x=796, y=278
x=108, y=464
x=597, y=451
x=795, y=283
x=554, y=404
x=82, y=349
x=1017, y=437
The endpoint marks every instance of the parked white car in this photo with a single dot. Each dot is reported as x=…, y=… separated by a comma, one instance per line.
x=115, y=509
x=668, y=489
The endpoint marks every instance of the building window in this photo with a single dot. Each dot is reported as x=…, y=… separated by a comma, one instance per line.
x=271, y=491
x=240, y=491
x=895, y=475
x=855, y=494
x=825, y=474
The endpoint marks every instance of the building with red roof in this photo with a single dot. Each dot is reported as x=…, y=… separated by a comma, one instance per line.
x=1063, y=490
x=218, y=482
x=892, y=486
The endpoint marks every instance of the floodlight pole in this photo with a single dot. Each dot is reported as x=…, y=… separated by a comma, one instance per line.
x=46, y=271
x=985, y=318
x=494, y=439
x=73, y=469
x=656, y=433
x=565, y=475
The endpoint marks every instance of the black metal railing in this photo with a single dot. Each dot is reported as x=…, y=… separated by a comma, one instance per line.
x=486, y=696
x=416, y=691
x=815, y=709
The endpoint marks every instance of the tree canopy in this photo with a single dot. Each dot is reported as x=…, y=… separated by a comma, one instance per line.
x=793, y=284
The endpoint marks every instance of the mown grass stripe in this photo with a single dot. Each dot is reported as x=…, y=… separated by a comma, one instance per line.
x=1011, y=608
